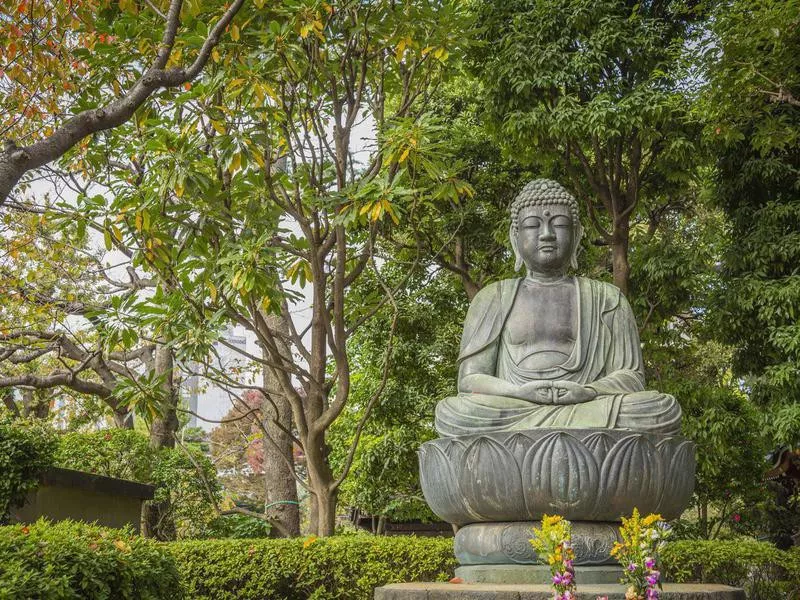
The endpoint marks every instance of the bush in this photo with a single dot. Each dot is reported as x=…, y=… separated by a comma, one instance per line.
x=69, y=560
x=127, y=454
x=121, y=453
x=341, y=568
x=758, y=567
x=238, y=527
x=26, y=448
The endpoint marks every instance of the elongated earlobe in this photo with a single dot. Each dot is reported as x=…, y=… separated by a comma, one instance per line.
x=573, y=262
x=512, y=236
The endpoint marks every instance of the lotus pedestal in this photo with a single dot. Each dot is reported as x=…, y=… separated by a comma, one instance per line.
x=496, y=487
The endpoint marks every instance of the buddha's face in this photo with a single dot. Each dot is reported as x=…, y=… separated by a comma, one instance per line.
x=546, y=238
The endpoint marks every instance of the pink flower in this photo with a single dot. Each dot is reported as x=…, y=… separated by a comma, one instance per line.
x=736, y=517
x=650, y=562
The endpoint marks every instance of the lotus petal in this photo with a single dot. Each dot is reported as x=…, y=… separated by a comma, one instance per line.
x=599, y=443
x=518, y=444
x=632, y=476
x=560, y=476
x=679, y=482
x=454, y=449
x=490, y=480
x=440, y=485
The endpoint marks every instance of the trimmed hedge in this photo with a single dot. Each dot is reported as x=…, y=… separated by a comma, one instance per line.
x=69, y=560
x=340, y=568
x=758, y=567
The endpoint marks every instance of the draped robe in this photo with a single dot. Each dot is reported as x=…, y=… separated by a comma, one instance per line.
x=605, y=357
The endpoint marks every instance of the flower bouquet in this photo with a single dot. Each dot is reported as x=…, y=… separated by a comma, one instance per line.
x=554, y=541
x=642, y=539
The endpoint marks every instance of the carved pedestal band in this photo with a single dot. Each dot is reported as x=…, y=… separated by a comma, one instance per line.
x=509, y=543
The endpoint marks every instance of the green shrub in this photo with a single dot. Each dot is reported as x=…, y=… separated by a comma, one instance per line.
x=127, y=454
x=26, y=448
x=758, y=567
x=340, y=568
x=121, y=453
x=239, y=527
x=69, y=560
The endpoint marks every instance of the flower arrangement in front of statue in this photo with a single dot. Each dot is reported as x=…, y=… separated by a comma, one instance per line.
x=554, y=541
x=642, y=539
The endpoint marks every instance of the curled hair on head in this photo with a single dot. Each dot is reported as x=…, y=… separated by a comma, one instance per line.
x=541, y=192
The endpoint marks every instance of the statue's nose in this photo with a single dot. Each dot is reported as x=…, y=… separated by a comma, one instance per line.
x=547, y=233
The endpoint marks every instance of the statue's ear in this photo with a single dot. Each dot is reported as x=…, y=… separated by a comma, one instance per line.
x=512, y=236
x=576, y=246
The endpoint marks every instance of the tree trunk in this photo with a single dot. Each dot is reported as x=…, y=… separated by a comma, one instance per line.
x=157, y=520
x=35, y=404
x=280, y=488
x=470, y=287
x=164, y=426
x=313, y=514
x=321, y=482
x=10, y=403
x=326, y=512
x=703, y=520
x=123, y=418
x=619, y=256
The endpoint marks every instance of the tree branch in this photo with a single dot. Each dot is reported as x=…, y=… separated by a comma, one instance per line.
x=15, y=161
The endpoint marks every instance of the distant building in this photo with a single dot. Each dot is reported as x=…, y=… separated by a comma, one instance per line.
x=209, y=400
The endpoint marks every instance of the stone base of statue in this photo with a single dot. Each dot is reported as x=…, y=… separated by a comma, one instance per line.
x=535, y=574
x=450, y=591
x=497, y=486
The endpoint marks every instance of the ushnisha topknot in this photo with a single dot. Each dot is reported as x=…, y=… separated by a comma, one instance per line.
x=540, y=192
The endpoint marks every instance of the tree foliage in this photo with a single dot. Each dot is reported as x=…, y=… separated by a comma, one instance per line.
x=752, y=120
x=588, y=90
x=127, y=50
x=280, y=198
x=26, y=449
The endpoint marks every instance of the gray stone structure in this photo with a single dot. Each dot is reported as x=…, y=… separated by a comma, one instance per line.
x=446, y=591
x=552, y=415
x=67, y=494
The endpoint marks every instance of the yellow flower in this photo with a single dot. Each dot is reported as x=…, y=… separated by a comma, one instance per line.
x=650, y=519
x=550, y=521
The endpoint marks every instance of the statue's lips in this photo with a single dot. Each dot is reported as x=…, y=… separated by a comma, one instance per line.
x=548, y=248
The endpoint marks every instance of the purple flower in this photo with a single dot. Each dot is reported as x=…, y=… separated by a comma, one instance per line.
x=652, y=579
x=652, y=595
x=568, y=565
x=558, y=579
x=650, y=562
x=566, y=578
x=632, y=567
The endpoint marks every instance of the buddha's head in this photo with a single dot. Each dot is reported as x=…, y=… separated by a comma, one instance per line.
x=545, y=228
